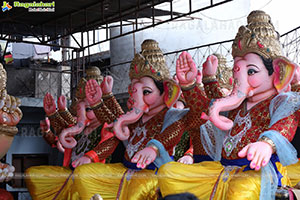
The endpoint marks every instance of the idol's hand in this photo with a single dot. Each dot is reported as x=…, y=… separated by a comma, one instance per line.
x=210, y=66
x=186, y=69
x=81, y=161
x=49, y=104
x=61, y=103
x=93, y=92
x=259, y=153
x=186, y=160
x=107, y=84
x=144, y=157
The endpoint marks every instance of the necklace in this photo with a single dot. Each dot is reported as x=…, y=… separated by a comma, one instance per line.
x=230, y=141
x=132, y=148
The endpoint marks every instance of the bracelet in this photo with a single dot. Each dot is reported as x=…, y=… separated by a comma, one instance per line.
x=188, y=86
x=207, y=79
x=53, y=115
x=268, y=141
x=92, y=155
x=154, y=148
x=67, y=116
x=97, y=105
x=63, y=111
x=108, y=95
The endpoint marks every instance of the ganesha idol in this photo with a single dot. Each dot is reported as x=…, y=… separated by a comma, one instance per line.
x=10, y=115
x=75, y=133
x=151, y=129
x=246, y=133
x=217, y=83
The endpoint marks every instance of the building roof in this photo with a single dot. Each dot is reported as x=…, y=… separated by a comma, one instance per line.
x=72, y=16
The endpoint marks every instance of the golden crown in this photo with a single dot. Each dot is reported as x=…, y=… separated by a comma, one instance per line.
x=259, y=36
x=150, y=62
x=3, y=77
x=94, y=73
x=91, y=73
x=224, y=73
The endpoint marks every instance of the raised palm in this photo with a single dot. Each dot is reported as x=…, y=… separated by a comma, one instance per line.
x=210, y=66
x=107, y=84
x=93, y=92
x=186, y=69
x=49, y=104
x=61, y=103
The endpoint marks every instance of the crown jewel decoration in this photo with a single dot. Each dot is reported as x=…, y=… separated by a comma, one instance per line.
x=259, y=36
x=224, y=73
x=150, y=62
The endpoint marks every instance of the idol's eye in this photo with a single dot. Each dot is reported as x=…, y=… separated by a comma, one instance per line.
x=251, y=72
x=146, y=92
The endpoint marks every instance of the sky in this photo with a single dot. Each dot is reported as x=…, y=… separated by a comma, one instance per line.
x=285, y=16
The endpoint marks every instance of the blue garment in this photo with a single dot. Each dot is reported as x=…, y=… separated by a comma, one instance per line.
x=245, y=161
x=131, y=165
x=212, y=140
x=282, y=106
x=163, y=156
x=173, y=115
x=201, y=158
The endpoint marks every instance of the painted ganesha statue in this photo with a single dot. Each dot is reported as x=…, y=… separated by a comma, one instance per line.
x=247, y=134
x=75, y=132
x=10, y=115
x=151, y=129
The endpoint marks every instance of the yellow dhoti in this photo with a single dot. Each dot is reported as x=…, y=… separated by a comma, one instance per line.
x=293, y=172
x=199, y=179
x=211, y=180
x=114, y=181
x=50, y=183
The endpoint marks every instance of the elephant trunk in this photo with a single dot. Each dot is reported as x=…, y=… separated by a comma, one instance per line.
x=239, y=93
x=66, y=136
x=137, y=110
x=60, y=147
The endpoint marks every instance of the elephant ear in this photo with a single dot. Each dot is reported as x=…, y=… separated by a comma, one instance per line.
x=172, y=92
x=284, y=72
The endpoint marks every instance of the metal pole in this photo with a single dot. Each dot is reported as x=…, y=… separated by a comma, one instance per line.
x=153, y=13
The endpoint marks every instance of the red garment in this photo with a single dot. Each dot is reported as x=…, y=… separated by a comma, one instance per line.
x=4, y=195
x=259, y=114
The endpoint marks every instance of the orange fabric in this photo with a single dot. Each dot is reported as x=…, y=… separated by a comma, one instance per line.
x=190, y=150
x=105, y=134
x=92, y=155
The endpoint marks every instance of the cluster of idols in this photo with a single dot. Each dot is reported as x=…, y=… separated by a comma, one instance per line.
x=10, y=115
x=219, y=133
